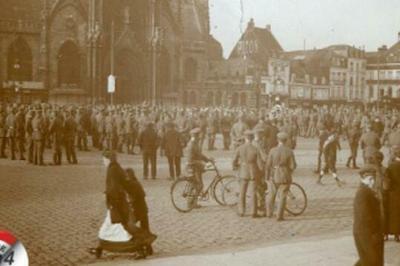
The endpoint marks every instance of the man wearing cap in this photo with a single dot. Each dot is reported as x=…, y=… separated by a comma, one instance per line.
x=367, y=225
x=245, y=160
x=279, y=168
x=172, y=144
x=148, y=142
x=195, y=159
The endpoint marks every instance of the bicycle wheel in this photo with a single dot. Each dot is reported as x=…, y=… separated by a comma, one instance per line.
x=230, y=194
x=183, y=194
x=296, y=201
x=219, y=187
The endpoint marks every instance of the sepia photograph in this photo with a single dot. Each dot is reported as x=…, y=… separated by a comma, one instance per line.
x=200, y=132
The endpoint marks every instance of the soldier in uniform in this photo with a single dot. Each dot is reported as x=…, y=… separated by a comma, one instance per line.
x=20, y=132
x=70, y=127
x=148, y=142
x=38, y=125
x=246, y=161
x=11, y=132
x=195, y=160
x=353, y=137
x=56, y=130
x=370, y=143
x=279, y=168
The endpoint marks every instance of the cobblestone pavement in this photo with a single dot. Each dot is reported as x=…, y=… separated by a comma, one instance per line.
x=56, y=211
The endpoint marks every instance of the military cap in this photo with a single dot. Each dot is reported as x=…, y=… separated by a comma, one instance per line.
x=282, y=136
x=195, y=131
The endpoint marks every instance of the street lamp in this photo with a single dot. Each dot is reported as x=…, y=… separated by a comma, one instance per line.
x=17, y=68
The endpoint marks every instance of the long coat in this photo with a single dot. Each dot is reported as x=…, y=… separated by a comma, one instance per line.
x=367, y=227
x=115, y=193
x=393, y=199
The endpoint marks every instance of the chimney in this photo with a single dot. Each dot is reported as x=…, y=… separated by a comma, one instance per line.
x=251, y=25
x=268, y=28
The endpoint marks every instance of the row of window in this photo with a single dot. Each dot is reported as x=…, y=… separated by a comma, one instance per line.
x=383, y=74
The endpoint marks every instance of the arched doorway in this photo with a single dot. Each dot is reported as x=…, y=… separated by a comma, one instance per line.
x=218, y=98
x=243, y=99
x=190, y=68
x=69, y=62
x=19, y=61
x=130, y=80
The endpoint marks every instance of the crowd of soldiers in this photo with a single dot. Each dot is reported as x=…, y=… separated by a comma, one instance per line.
x=31, y=129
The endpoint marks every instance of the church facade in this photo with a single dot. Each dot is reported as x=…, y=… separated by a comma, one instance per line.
x=62, y=51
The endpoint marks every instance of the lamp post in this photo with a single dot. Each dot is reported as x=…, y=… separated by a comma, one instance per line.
x=17, y=67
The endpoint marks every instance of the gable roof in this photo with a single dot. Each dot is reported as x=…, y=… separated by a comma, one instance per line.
x=264, y=43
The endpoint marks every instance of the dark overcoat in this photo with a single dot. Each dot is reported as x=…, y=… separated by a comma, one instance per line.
x=393, y=199
x=367, y=228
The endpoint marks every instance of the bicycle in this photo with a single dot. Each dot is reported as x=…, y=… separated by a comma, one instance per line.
x=296, y=201
x=184, y=190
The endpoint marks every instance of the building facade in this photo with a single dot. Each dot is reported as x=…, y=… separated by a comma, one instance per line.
x=383, y=75
x=63, y=50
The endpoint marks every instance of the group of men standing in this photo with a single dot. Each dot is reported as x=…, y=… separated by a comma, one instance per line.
x=265, y=159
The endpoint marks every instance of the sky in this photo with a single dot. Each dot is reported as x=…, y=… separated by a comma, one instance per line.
x=362, y=23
